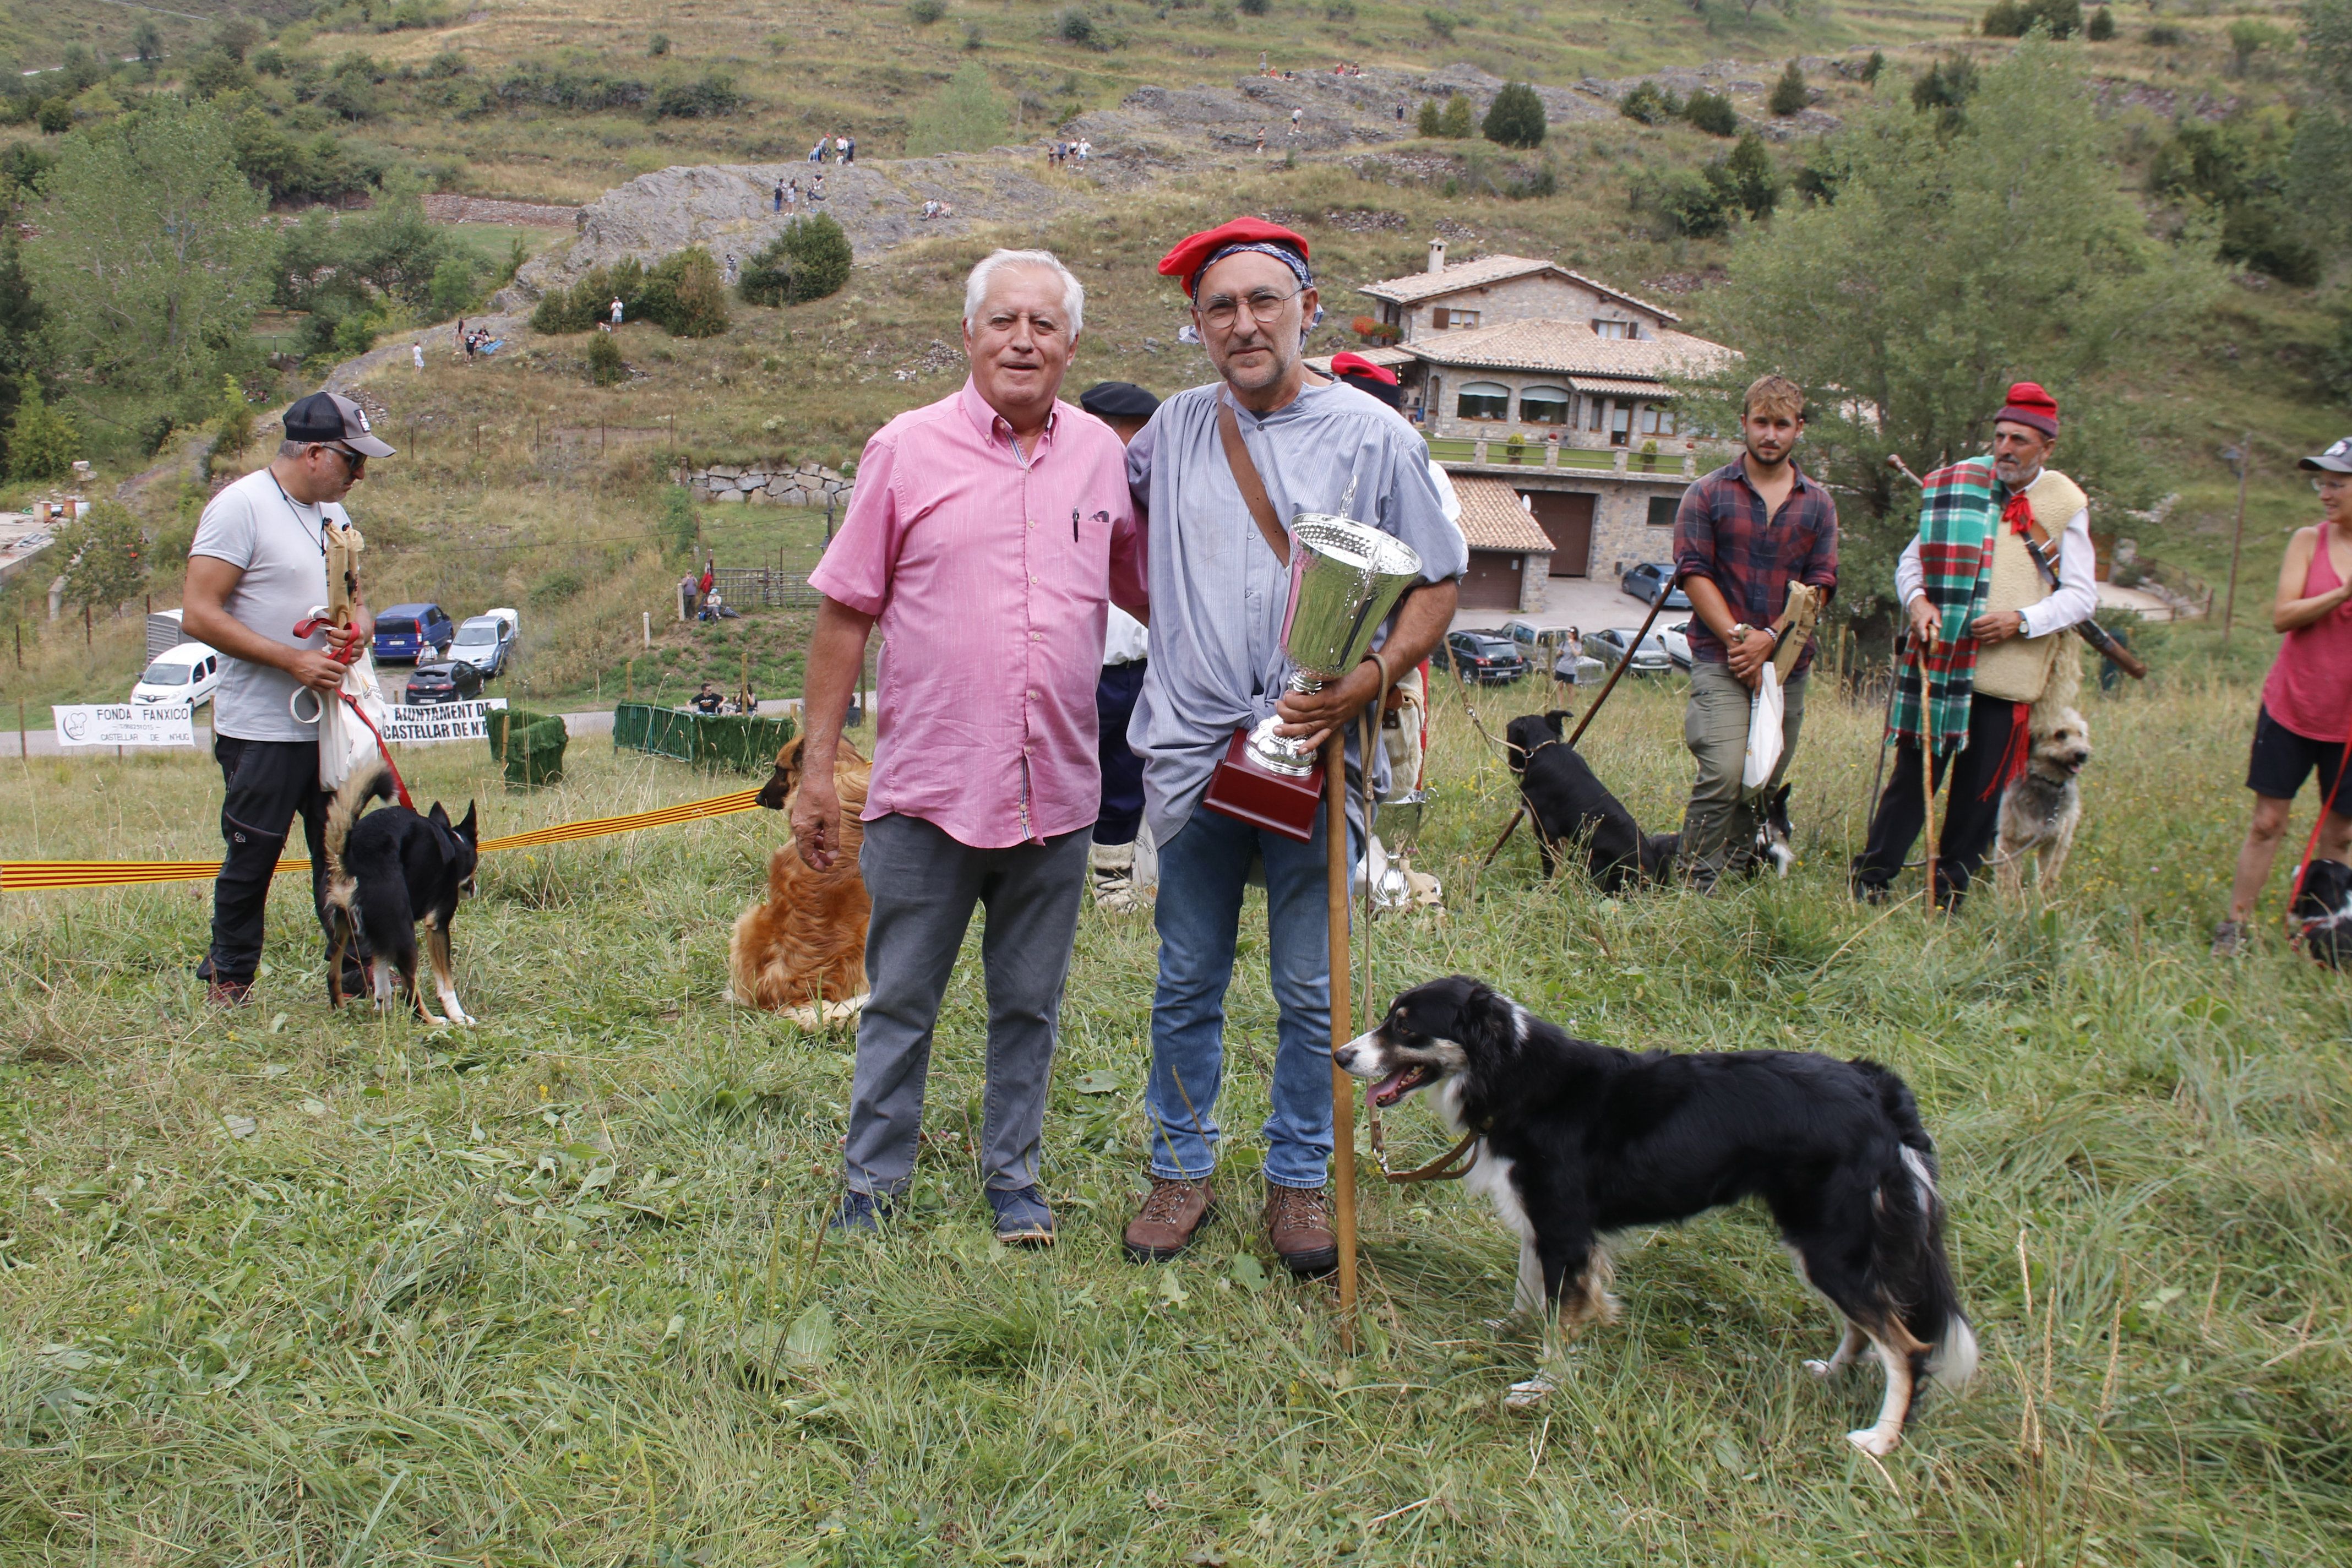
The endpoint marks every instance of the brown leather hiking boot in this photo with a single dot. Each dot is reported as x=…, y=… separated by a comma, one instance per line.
x=1298, y=1224
x=1168, y=1219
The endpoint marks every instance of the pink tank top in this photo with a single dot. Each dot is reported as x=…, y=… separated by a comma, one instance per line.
x=2310, y=687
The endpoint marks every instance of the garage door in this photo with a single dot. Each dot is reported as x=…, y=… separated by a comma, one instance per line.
x=1567, y=518
x=1492, y=581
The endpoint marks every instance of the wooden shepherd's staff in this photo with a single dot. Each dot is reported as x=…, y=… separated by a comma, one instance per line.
x=1340, y=995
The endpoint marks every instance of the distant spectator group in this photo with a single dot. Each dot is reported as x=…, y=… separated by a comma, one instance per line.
x=844, y=148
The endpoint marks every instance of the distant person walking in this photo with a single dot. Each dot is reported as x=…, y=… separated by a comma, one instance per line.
x=780, y=195
x=616, y=309
x=849, y=149
x=841, y=148
x=416, y=352
x=2306, y=707
x=1086, y=150
x=458, y=349
x=731, y=268
x=1296, y=115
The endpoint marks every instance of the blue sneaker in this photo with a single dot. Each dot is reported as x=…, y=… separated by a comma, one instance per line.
x=861, y=1213
x=1022, y=1217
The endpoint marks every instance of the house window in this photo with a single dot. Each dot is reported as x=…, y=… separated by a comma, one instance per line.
x=1544, y=405
x=1612, y=328
x=1662, y=511
x=1657, y=420
x=1444, y=317
x=1389, y=315
x=1485, y=400
x=1621, y=424
x=1593, y=406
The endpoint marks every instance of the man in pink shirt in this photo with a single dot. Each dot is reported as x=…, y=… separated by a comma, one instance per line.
x=988, y=535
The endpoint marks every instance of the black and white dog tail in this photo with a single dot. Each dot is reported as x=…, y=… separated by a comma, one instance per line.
x=368, y=781
x=1907, y=1256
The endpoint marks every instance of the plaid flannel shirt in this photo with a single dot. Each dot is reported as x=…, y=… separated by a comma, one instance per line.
x=1723, y=533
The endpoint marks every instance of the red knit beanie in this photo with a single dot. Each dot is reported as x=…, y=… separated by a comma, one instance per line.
x=2029, y=406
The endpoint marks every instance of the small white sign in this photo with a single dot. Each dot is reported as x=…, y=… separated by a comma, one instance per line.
x=124, y=724
x=425, y=724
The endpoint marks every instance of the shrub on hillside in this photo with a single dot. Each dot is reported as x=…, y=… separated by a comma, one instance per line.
x=1712, y=113
x=1697, y=203
x=1789, y=93
x=606, y=367
x=808, y=261
x=707, y=99
x=966, y=115
x=1458, y=122
x=2103, y=25
x=2015, y=18
x=1432, y=121
x=1650, y=103
x=43, y=442
x=1074, y=27
x=1252, y=7
x=685, y=295
x=2165, y=35
x=1946, y=88
x=583, y=93
x=1755, y=178
x=923, y=13
x=1874, y=65
x=561, y=312
x=106, y=553
x=1515, y=117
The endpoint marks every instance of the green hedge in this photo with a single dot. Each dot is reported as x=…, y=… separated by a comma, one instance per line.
x=533, y=752
x=735, y=742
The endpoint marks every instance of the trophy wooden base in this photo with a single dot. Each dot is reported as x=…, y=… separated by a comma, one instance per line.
x=1248, y=791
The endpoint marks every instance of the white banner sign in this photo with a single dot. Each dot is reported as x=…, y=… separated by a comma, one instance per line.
x=123, y=724
x=425, y=723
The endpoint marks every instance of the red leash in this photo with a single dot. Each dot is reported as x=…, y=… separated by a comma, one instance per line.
x=351, y=655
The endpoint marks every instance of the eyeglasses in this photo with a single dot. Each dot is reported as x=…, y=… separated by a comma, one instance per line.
x=1263, y=305
x=354, y=462
x=2331, y=482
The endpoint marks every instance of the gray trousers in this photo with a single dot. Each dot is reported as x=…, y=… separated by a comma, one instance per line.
x=924, y=885
x=1720, y=824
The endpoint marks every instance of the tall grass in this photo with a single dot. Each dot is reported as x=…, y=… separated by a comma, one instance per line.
x=288, y=1285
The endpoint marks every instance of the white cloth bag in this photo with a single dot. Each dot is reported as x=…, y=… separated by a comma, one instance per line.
x=1765, y=711
x=344, y=743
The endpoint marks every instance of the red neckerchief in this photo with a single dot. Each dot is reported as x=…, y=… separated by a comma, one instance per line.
x=2018, y=514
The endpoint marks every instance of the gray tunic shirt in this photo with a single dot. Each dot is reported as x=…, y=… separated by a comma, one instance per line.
x=1217, y=592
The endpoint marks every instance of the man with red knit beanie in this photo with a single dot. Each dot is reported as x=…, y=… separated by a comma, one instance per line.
x=1990, y=623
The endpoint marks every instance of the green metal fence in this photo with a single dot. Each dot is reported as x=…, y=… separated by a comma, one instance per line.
x=735, y=742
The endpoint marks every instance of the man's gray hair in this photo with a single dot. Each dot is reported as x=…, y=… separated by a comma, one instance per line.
x=975, y=288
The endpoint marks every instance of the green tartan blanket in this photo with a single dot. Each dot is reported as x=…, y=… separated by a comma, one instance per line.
x=1957, y=521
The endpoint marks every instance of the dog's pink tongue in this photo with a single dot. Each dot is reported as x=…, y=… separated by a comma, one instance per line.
x=1386, y=1090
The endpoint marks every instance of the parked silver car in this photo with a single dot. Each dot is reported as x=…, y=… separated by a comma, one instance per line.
x=1608, y=646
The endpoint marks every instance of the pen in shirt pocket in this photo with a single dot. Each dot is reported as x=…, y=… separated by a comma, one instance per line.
x=1074, y=525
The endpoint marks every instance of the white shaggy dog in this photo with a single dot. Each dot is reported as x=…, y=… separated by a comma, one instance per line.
x=2040, y=810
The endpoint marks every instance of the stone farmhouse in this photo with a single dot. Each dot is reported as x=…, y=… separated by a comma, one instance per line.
x=1543, y=385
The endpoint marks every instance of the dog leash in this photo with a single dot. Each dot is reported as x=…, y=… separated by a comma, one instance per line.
x=1442, y=1169
x=2311, y=845
x=349, y=657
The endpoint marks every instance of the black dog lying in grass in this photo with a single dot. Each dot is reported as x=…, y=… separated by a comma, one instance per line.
x=1566, y=803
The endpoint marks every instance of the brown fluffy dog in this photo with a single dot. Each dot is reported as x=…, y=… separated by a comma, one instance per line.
x=802, y=953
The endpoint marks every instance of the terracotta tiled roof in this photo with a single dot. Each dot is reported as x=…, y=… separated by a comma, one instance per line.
x=1569, y=348
x=1414, y=287
x=1493, y=518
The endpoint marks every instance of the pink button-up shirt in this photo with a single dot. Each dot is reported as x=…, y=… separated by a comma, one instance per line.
x=989, y=570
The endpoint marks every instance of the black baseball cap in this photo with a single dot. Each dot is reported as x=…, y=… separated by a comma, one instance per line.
x=323, y=417
x=2337, y=459
x=1117, y=400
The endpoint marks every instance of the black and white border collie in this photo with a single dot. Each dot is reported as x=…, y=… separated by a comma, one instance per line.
x=1577, y=1140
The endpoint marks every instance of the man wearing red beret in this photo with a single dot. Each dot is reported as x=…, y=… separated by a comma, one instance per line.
x=1218, y=591
x=1990, y=621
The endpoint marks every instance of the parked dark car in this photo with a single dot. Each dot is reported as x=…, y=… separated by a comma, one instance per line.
x=452, y=680
x=1645, y=580
x=1485, y=657
x=415, y=632
x=1608, y=646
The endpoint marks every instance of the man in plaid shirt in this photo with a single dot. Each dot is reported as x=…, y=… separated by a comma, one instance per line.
x=1742, y=534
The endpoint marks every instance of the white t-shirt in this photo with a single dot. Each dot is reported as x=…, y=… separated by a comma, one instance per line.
x=1124, y=639
x=279, y=545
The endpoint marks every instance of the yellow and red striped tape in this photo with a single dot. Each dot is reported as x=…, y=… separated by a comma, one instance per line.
x=39, y=876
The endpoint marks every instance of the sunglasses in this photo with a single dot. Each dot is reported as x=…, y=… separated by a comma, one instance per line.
x=352, y=461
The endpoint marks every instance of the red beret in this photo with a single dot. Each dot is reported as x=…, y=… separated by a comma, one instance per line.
x=1354, y=363
x=1192, y=252
x=2029, y=406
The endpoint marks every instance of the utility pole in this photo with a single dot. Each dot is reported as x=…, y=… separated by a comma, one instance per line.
x=2242, y=454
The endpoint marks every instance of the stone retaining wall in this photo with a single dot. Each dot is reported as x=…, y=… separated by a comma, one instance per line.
x=776, y=484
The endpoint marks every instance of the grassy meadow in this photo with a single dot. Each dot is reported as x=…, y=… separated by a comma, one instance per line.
x=290, y=1286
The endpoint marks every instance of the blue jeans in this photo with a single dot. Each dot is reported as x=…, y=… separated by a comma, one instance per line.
x=1203, y=872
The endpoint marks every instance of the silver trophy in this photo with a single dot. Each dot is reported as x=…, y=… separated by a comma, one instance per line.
x=1345, y=578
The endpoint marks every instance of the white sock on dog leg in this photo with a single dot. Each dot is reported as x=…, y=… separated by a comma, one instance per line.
x=1880, y=1439
x=1849, y=1347
x=457, y=1014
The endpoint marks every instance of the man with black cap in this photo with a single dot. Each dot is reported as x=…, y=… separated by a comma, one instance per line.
x=1988, y=618
x=1218, y=590
x=257, y=568
x=1127, y=409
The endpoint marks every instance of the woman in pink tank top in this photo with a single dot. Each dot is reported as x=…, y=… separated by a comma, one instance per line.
x=2306, y=711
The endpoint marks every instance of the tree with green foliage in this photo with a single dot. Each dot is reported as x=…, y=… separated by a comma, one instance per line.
x=454, y=287
x=147, y=41
x=1755, y=178
x=1713, y=113
x=1947, y=267
x=20, y=322
x=1790, y=93
x=679, y=528
x=923, y=13
x=808, y=261
x=233, y=426
x=1945, y=89
x=1649, y=103
x=1515, y=117
x=2103, y=25
x=685, y=294
x=1432, y=121
x=2249, y=37
x=153, y=252
x=105, y=551
x=1871, y=67
x=967, y=114
x=1459, y=122
x=2015, y=18
x=606, y=367
x=2238, y=169
x=2322, y=149
x=42, y=441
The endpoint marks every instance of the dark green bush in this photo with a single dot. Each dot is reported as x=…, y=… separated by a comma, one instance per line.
x=923, y=13
x=808, y=261
x=2103, y=25
x=1074, y=27
x=1649, y=103
x=1515, y=117
x=1456, y=122
x=606, y=367
x=1252, y=7
x=685, y=295
x=1755, y=179
x=711, y=96
x=1789, y=93
x=658, y=44
x=1712, y=113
